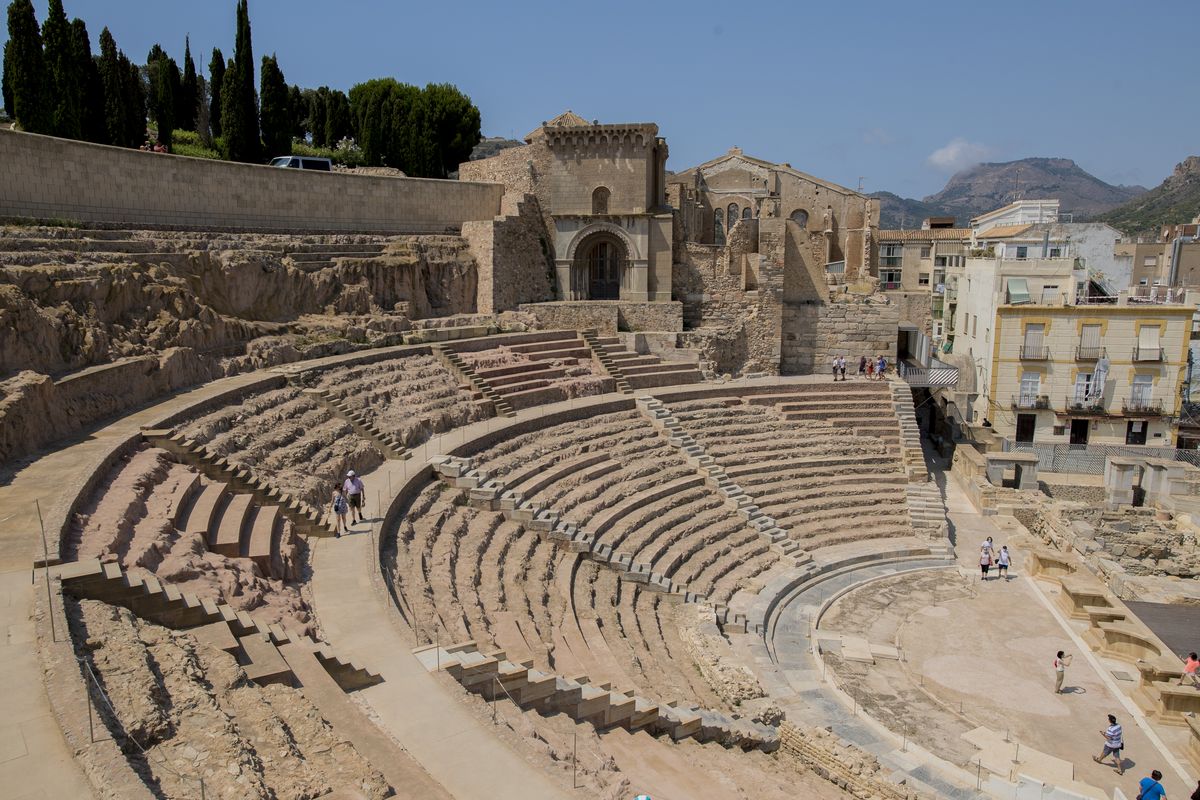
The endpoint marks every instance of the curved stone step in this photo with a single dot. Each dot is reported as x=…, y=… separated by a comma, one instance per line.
x=227, y=538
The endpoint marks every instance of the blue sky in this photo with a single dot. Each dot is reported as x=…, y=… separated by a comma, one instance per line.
x=901, y=94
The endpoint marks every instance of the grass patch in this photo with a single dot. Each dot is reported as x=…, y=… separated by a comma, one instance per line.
x=189, y=143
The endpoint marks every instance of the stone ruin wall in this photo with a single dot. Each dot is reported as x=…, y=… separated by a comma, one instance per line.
x=514, y=255
x=814, y=333
x=521, y=171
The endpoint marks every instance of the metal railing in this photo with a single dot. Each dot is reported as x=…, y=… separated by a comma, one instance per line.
x=1147, y=353
x=1088, y=459
x=1138, y=404
x=1030, y=401
x=1090, y=353
x=1035, y=353
x=1083, y=403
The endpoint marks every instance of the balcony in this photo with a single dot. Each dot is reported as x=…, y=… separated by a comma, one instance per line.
x=1147, y=353
x=1084, y=405
x=889, y=286
x=1141, y=405
x=1090, y=353
x=1035, y=353
x=1030, y=401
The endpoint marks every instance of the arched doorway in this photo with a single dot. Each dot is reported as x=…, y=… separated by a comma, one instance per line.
x=600, y=263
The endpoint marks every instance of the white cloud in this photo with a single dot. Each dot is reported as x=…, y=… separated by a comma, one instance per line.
x=958, y=154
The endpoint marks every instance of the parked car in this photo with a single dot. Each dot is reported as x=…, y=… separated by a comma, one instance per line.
x=303, y=162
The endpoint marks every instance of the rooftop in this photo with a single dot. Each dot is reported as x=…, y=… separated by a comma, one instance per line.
x=925, y=235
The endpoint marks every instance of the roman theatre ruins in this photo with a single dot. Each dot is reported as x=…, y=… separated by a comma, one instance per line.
x=623, y=535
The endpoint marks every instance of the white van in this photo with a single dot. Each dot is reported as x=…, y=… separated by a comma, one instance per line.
x=303, y=162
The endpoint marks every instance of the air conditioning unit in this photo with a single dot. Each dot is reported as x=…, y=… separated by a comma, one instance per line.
x=1043, y=401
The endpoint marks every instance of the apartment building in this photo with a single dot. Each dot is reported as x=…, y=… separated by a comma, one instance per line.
x=1054, y=365
x=917, y=264
x=1171, y=260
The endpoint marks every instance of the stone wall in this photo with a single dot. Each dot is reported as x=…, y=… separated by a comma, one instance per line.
x=607, y=317
x=915, y=308
x=520, y=170
x=46, y=177
x=814, y=333
x=515, y=257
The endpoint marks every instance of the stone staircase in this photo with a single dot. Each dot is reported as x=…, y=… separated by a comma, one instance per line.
x=481, y=388
x=231, y=524
x=308, y=520
x=910, y=432
x=388, y=443
x=255, y=643
x=484, y=491
x=926, y=508
x=494, y=677
x=600, y=347
x=714, y=476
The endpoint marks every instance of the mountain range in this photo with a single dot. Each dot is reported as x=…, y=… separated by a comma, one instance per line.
x=1175, y=200
x=988, y=186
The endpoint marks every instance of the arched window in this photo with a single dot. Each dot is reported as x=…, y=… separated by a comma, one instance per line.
x=718, y=227
x=800, y=217
x=731, y=216
x=600, y=200
x=746, y=212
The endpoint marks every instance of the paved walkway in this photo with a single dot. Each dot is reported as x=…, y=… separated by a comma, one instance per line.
x=993, y=652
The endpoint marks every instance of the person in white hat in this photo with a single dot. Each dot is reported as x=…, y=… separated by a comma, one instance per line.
x=356, y=493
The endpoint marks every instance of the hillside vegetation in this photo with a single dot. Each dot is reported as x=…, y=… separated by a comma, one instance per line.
x=1175, y=200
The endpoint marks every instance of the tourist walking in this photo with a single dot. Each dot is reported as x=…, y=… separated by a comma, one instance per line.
x=870, y=368
x=989, y=545
x=835, y=368
x=356, y=493
x=1003, y=562
x=1190, y=664
x=1114, y=743
x=340, y=507
x=862, y=366
x=1150, y=788
x=1062, y=660
x=985, y=561
x=842, y=366
x=881, y=368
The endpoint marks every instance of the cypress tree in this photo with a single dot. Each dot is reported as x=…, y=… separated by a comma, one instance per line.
x=92, y=124
x=216, y=79
x=63, y=82
x=337, y=118
x=26, y=71
x=239, y=105
x=134, y=90
x=112, y=79
x=317, y=109
x=162, y=93
x=275, y=116
x=5, y=86
x=298, y=109
x=185, y=113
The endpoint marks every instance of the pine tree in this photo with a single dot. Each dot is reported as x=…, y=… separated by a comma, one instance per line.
x=216, y=79
x=162, y=93
x=239, y=105
x=185, y=112
x=274, y=114
x=25, y=70
x=92, y=125
x=63, y=82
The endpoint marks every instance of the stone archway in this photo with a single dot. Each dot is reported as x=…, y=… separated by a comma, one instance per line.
x=599, y=266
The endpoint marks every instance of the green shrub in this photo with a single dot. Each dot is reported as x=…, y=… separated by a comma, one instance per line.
x=189, y=143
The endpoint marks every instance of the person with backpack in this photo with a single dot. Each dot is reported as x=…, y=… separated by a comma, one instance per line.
x=340, y=508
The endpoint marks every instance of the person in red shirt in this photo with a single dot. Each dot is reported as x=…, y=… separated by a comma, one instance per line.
x=1190, y=665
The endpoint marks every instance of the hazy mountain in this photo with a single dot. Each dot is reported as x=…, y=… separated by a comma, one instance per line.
x=986, y=187
x=491, y=145
x=1175, y=200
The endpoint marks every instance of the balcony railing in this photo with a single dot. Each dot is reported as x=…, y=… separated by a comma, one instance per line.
x=1032, y=353
x=1084, y=404
x=1139, y=404
x=889, y=286
x=1089, y=353
x=1147, y=353
x=1027, y=401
